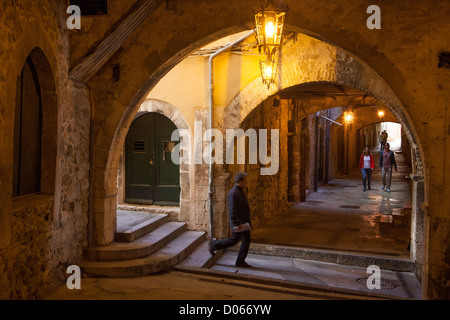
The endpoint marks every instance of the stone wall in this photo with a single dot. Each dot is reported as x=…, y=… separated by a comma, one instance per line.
x=267, y=194
x=41, y=234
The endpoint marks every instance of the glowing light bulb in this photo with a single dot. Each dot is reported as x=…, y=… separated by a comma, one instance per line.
x=268, y=72
x=270, y=29
x=348, y=117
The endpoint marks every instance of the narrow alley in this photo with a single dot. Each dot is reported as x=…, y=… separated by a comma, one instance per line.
x=341, y=216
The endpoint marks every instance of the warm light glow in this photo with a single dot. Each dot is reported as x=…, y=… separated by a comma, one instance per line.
x=268, y=71
x=380, y=114
x=270, y=29
x=349, y=117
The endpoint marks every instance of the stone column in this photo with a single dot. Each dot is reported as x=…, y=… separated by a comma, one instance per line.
x=417, y=222
x=200, y=219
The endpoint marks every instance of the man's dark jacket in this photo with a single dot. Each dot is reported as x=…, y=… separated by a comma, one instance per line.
x=238, y=208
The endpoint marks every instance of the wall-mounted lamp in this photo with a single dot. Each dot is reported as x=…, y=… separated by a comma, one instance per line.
x=380, y=113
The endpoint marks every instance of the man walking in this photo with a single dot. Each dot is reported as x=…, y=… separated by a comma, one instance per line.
x=383, y=139
x=387, y=161
x=239, y=217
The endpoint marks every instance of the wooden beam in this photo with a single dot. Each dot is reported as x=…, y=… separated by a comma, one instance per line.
x=90, y=65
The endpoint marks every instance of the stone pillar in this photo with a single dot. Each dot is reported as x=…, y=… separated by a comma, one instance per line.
x=417, y=223
x=304, y=153
x=294, y=158
x=200, y=218
x=346, y=148
x=220, y=219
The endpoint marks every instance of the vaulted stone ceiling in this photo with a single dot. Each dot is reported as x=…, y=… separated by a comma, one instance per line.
x=329, y=93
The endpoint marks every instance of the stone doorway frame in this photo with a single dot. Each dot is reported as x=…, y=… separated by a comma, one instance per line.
x=174, y=115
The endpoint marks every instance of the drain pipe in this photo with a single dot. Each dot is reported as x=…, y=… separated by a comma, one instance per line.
x=331, y=120
x=211, y=107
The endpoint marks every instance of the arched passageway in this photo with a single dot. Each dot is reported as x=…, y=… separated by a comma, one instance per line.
x=314, y=152
x=99, y=77
x=231, y=115
x=320, y=201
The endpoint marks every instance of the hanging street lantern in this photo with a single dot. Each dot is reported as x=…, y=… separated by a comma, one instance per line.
x=268, y=71
x=269, y=28
x=349, y=116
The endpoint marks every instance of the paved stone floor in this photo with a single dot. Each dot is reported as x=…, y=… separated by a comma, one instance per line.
x=341, y=216
x=321, y=276
x=182, y=286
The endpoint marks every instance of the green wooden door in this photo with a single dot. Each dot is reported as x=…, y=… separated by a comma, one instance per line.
x=151, y=177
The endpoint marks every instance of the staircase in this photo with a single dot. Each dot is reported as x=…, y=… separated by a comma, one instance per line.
x=144, y=243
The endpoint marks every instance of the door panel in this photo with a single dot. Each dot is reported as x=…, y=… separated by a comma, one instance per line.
x=167, y=173
x=151, y=177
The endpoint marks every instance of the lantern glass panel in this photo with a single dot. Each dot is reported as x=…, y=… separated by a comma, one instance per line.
x=268, y=71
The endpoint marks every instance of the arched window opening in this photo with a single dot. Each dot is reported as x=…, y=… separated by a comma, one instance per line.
x=27, y=132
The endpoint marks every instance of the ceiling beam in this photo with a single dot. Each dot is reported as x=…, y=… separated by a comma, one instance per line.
x=90, y=65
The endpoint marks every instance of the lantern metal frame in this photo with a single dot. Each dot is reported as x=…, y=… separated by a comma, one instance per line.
x=266, y=43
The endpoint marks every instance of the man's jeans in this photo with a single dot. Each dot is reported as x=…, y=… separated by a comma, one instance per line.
x=386, y=174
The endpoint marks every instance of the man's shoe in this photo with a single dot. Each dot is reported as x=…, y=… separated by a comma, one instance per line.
x=388, y=190
x=382, y=188
x=211, y=249
x=243, y=265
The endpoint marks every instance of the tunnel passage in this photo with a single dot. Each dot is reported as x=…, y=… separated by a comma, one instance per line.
x=316, y=200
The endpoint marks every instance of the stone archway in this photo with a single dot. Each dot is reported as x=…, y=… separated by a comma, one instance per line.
x=301, y=64
x=157, y=46
x=305, y=61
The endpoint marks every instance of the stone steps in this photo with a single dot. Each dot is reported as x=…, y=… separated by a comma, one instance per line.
x=141, y=247
x=130, y=232
x=148, y=244
x=200, y=258
x=162, y=260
